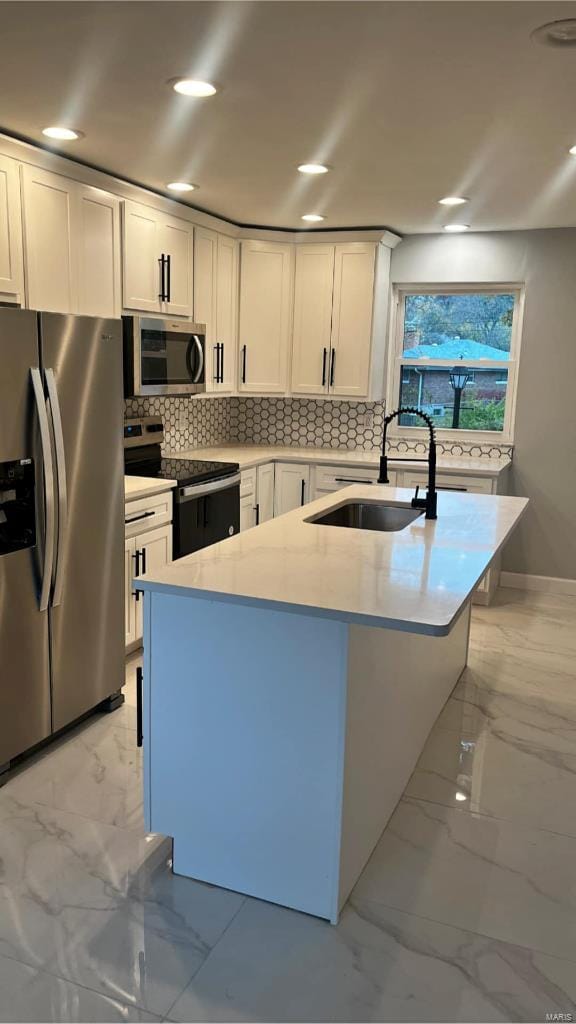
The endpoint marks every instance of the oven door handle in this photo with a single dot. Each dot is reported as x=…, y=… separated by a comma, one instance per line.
x=199, y=490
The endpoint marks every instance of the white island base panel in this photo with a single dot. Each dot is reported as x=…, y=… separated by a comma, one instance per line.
x=278, y=744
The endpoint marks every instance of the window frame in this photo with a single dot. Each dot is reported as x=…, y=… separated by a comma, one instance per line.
x=395, y=360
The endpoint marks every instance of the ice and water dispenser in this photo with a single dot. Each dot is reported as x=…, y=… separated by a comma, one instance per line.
x=17, y=506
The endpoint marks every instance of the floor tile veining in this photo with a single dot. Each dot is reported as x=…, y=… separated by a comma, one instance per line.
x=465, y=912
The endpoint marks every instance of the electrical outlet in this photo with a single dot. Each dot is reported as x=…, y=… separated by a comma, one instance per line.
x=366, y=419
x=182, y=419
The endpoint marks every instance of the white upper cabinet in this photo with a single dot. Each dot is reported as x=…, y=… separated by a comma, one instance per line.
x=216, y=304
x=71, y=240
x=349, y=372
x=11, y=262
x=51, y=271
x=333, y=307
x=158, y=261
x=311, y=337
x=176, y=245
x=265, y=316
x=98, y=252
x=227, y=310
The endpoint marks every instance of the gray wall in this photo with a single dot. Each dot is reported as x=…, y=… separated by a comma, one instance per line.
x=544, y=466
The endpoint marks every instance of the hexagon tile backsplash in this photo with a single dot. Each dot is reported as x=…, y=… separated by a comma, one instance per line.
x=294, y=422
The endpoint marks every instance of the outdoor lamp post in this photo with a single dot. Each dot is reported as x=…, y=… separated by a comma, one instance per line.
x=459, y=377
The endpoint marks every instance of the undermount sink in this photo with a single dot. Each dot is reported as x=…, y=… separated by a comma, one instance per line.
x=368, y=516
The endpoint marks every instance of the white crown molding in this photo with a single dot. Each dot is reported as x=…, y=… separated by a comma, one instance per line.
x=27, y=152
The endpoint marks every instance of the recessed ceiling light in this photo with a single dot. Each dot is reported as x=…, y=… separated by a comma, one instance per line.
x=456, y=228
x=181, y=186
x=64, y=134
x=460, y=796
x=453, y=200
x=313, y=217
x=313, y=168
x=193, y=87
x=556, y=33
x=572, y=150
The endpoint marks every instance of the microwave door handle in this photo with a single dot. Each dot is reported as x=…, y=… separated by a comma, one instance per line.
x=61, y=484
x=48, y=487
x=198, y=344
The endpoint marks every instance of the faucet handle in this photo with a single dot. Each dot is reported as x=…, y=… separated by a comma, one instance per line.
x=418, y=502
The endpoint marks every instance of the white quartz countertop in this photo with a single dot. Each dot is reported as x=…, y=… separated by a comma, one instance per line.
x=144, y=486
x=255, y=455
x=417, y=579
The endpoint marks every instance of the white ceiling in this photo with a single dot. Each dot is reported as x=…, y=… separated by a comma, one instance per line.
x=408, y=101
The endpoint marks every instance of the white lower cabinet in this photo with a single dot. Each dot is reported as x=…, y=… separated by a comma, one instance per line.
x=291, y=487
x=155, y=548
x=247, y=512
x=256, y=495
x=332, y=478
x=144, y=551
x=129, y=601
x=265, y=492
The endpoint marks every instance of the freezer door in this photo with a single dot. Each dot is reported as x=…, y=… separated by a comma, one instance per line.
x=82, y=362
x=24, y=653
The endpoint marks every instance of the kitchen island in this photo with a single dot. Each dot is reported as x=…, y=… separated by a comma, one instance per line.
x=291, y=677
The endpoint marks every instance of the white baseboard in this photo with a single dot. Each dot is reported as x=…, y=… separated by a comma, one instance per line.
x=546, y=584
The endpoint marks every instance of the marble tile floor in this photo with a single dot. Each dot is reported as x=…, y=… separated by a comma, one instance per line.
x=465, y=912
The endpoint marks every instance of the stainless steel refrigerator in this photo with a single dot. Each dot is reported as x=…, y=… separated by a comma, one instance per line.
x=61, y=522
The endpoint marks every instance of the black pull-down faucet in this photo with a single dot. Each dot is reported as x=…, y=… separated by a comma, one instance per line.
x=430, y=501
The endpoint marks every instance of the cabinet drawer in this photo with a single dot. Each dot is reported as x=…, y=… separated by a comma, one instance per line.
x=147, y=513
x=248, y=482
x=332, y=478
x=449, y=482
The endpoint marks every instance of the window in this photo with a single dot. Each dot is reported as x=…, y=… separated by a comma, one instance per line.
x=455, y=358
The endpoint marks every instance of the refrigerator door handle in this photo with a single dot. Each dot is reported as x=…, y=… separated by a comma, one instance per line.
x=48, y=487
x=61, y=483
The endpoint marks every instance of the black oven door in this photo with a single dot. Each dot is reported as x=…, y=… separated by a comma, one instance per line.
x=171, y=357
x=206, y=514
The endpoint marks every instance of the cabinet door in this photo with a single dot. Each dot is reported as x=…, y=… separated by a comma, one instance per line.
x=176, y=242
x=97, y=249
x=129, y=600
x=291, y=486
x=48, y=228
x=247, y=512
x=11, y=260
x=265, y=492
x=205, y=273
x=141, y=262
x=265, y=286
x=227, y=310
x=313, y=285
x=352, y=319
x=155, y=552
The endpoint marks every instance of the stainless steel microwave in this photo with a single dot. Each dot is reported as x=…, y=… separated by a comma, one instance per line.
x=163, y=357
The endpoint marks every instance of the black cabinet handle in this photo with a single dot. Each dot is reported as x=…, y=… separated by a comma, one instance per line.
x=162, y=262
x=332, y=364
x=168, y=278
x=135, y=519
x=136, y=558
x=324, y=358
x=143, y=554
x=221, y=362
x=139, y=733
x=257, y=511
x=302, y=492
x=216, y=373
x=243, y=364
